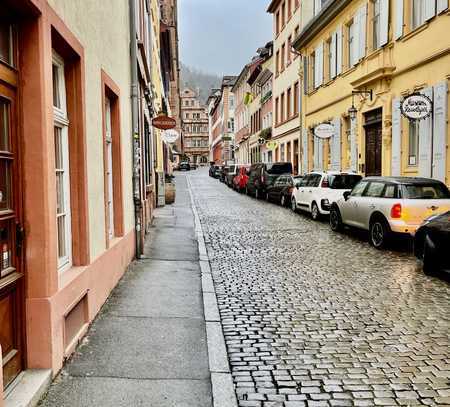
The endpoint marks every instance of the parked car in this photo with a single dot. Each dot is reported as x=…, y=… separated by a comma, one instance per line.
x=241, y=178
x=281, y=190
x=318, y=190
x=212, y=170
x=388, y=205
x=184, y=166
x=431, y=242
x=223, y=173
x=231, y=173
x=263, y=175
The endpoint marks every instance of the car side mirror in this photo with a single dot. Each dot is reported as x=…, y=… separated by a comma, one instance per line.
x=347, y=195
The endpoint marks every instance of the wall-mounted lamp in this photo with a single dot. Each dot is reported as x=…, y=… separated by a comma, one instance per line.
x=352, y=111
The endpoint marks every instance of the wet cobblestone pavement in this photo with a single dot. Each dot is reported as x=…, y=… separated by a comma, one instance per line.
x=315, y=318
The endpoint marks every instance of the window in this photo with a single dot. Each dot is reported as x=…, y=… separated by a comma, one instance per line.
x=282, y=108
x=359, y=188
x=330, y=59
x=413, y=145
x=288, y=55
x=277, y=62
x=277, y=22
x=277, y=115
x=6, y=43
x=282, y=56
x=313, y=70
x=418, y=13
x=426, y=191
x=376, y=24
x=375, y=190
x=390, y=191
x=351, y=45
x=288, y=103
x=289, y=8
x=283, y=14
x=61, y=142
x=231, y=101
x=109, y=168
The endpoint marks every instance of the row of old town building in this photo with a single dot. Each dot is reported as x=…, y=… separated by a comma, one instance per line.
x=347, y=64
x=83, y=165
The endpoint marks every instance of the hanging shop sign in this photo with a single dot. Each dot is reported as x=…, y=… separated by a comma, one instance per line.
x=170, y=136
x=164, y=122
x=324, y=130
x=271, y=145
x=416, y=106
x=261, y=141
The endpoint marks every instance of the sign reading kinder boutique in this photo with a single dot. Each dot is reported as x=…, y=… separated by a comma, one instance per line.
x=416, y=106
x=324, y=131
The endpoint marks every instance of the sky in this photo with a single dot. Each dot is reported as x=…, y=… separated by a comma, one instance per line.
x=221, y=36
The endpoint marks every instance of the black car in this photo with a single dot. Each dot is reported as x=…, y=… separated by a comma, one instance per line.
x=263, y=175
x=281, y=190
x=212, y=170
x=431, y=243
x=184, y=166
x=223, y=173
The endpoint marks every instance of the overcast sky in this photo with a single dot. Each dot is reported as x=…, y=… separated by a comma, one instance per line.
x=221, y=36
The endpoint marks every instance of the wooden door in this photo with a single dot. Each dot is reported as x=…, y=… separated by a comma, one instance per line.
x=373, y=149
x=11, y=277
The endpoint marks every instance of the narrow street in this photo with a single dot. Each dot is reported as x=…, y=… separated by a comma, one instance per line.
x=315, y=318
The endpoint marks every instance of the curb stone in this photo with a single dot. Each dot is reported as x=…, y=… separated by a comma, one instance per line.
x=221, y=380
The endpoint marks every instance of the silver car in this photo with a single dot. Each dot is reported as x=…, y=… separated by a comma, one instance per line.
x=387, y=205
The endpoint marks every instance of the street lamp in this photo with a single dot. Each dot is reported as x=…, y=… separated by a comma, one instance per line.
x=352, y=112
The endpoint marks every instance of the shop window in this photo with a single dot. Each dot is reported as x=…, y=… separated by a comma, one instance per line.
x=418, y=13
x=413, y=142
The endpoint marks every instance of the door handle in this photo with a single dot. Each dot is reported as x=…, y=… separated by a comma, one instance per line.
x=372, y=206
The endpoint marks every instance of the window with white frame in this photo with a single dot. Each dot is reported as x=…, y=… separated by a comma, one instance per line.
x=61, y=140
x=418, y=13
x=109, y=168
x=352, y=57
x=376, y=23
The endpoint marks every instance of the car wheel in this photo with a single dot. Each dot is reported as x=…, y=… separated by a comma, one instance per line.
x=335, y=220
x=429, y=264
x=293, y=205
x=378, y=233
x=283, y=201
x=315, y=213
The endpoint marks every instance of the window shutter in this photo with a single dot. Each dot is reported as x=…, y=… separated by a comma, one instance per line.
x=425, y=141
x=398, y=19
x=316, y=153
x=339, y=51
x=305, y=75
x=356, y=38
x=396, y=138
x=319, y=61
x=362, y=31
x=440, y=130
x=320, y=154
x=442, y=5
x=335, y=145
x=353, y=147
x=384, y=22
x=305, y=151
x=333, y=55
x=430, y=9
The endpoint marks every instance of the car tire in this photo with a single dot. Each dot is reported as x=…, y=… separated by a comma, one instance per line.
x=315, y=213
x=283, y=201
x=379, y=233
x=335, y=220
x=293, y=205
x=429, y=264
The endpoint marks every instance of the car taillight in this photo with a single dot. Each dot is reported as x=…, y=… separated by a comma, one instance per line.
x=325, y=183
x=396, y=211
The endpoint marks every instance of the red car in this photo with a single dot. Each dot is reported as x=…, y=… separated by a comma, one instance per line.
x=241, y=178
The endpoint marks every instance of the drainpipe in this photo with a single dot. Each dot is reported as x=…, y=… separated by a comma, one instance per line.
x=136, y=159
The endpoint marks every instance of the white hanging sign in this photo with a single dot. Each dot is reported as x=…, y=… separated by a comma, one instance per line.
x=416, y=106
x=170, y=136
x=324, y=130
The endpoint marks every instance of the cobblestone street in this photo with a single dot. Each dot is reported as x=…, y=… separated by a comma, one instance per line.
x=315, y=318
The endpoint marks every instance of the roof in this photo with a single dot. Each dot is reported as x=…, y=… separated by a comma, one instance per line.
x=273, y=5
x=404, y=180
x=330, y=10
x=241, y=76
x=229, y=80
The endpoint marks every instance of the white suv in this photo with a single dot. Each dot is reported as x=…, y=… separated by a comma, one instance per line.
x=318, y=190
x=387, y=205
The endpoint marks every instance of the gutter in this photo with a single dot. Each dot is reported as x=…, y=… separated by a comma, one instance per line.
x=136, y=152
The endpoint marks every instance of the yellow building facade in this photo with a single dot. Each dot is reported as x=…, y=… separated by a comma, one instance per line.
x=360, y=59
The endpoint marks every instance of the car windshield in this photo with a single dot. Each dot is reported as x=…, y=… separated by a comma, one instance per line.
x=232, y=168
x=426, y=191
x=279, y=168
x=343, y=181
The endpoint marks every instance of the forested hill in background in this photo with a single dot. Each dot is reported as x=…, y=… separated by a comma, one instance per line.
x=195, y=79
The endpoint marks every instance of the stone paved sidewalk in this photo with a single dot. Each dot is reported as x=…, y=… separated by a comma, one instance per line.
x=148, y=345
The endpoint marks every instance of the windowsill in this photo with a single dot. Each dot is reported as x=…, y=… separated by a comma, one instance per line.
x=416, y=31
x=68, y=276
